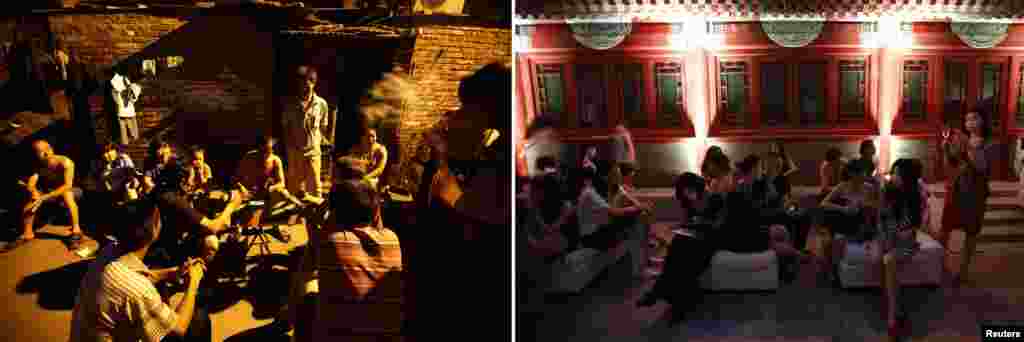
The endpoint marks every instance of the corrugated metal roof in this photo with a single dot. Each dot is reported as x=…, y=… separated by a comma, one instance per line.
x=352, y=31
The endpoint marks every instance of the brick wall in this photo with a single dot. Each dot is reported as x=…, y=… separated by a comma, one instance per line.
x=221, y=92
x=466, y=49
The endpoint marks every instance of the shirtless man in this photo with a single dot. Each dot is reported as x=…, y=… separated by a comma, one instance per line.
x=199, y=172
x=270, y=178
x=51, y=182
x=377, y=158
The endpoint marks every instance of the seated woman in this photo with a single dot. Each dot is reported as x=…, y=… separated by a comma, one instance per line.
x=830, y=172
x=752, y=208
x=900, y=219
x=689, y=255
x=623, y=213
x=848, y=210
x=544, y=216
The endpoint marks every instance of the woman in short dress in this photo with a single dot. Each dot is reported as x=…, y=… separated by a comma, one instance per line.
x=900, y=218
x=970, y=152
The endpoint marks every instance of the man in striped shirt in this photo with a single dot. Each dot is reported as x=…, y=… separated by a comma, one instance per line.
x=117, y=299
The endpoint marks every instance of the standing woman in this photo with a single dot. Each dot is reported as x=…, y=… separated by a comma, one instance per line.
x=900, y=218
x=970, y=152
x=623, y=151
x=717, y=170
x=780, y=170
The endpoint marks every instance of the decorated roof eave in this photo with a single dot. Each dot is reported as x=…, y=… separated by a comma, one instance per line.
x=531, y=20
x=675, y=14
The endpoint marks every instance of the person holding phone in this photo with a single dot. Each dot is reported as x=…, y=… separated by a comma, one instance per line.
x=969, y=151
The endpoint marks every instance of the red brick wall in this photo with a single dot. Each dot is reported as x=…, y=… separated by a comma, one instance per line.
x=466, y=49
x=221, y=94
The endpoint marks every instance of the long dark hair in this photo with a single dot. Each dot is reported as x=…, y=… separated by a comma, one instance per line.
x=984, y=111
x=551, y=206
x=906, y=198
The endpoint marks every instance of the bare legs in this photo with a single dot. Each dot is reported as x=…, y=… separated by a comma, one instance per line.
x=890, y=285
x=69, y=202
x=28, y=216
x=970, y=242
x=966, y=253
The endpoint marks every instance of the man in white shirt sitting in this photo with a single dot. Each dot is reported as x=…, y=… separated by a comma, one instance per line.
x=117, y=299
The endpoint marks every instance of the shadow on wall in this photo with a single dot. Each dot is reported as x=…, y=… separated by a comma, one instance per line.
x=225, y=76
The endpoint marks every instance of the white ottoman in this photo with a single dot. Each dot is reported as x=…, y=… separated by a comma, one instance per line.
x=572, y=273
x=742, y=271
x=858, y=267
x=577, y=269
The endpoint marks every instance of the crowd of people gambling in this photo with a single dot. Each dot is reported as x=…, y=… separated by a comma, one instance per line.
x=748, y=206
x=165, y=223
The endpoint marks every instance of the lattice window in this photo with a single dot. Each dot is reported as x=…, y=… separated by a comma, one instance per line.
x=551, y=93
x=668, y=79
x=734, y=93
x=1020, y=98
x=852, y=90
x=915, y=90
x=591, y=80
x=992, y=89
x=633, y=109
x=774, y=102
x=954, y=100
x=812, y=100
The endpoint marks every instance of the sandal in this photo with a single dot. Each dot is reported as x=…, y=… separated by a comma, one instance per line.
x=15, y=244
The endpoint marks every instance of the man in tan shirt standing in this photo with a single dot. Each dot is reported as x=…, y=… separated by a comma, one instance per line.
x=306, y=120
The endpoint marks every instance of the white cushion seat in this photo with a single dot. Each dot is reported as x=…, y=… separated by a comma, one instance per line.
x=742, y=271
x=859, y=268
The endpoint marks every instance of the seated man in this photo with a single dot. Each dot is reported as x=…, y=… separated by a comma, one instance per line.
x=162, y=159
x=169, y=185
x=262, y=176
x=199, y=172
x=377, y=159
x=51, y=182
x=115, y=173
x=360, y=265
x=117, y=299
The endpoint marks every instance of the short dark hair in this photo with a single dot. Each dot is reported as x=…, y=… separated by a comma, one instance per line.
x=691, y=181
x=354, y=203
x=486, y=83
x=853, y=168
x=747, y=165
x=546, y=162
x=833, y=154
x=197, y=149
x=866, y=144
x=627, y=168
x=133, y=232
x=350, y=168
x=110, y=147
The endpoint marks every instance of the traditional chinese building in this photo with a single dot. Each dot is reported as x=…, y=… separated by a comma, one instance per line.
x=685, y=75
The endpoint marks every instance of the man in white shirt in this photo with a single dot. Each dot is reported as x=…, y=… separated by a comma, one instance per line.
x=125, y=94
x=117, y=299
x=306, y=128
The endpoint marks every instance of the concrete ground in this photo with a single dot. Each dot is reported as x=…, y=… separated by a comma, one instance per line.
x=39, y=282
x=808, y=309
